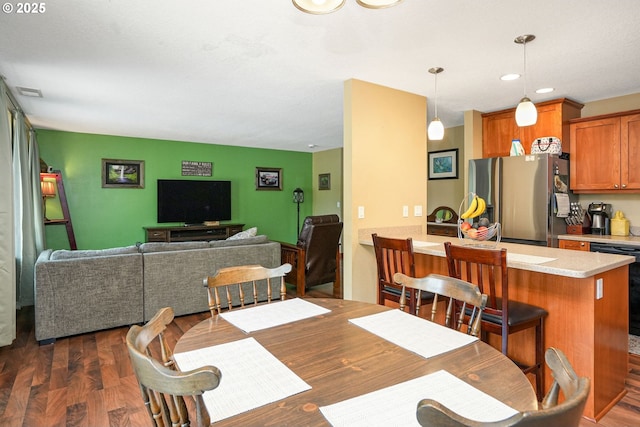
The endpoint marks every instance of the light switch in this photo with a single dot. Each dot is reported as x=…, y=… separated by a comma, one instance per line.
x=417, y=210
x=599, y=288
x=360, y=212
x=405, y=211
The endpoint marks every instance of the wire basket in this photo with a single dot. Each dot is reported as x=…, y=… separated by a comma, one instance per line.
x=480, y=234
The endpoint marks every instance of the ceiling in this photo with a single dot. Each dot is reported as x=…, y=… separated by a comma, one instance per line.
x=260, y=73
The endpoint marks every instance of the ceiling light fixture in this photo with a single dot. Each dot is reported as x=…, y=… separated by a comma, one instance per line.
x=27, y=91
x=321, y=7
x=526, y=113
x=545, y=90
x=509, y=77
x=435, y=131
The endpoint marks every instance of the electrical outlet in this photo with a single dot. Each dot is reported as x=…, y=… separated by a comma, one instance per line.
x=417, y=210
x=599, y=288
x=405, y=211
x=360, y=212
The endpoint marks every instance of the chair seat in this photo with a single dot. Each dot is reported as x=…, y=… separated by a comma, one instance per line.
x=519, y=313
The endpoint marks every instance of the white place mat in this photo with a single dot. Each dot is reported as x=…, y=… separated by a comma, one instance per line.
x=413, y=333
x=251, y=377
x=274, y=314
x=528, y=259
x=396, y=405
x=421, y=244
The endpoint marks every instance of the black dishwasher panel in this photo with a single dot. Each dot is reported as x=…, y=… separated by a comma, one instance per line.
x=634, y=280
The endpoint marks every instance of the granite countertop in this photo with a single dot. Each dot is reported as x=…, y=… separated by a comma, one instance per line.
x=597, y=238
x=555, y=261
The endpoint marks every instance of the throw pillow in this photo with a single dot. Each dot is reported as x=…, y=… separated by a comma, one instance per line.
x=245, y=234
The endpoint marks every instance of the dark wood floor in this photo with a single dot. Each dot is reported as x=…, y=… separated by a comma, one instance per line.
x=86, y=380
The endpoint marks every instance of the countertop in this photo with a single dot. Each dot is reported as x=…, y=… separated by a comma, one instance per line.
x=597, y=238
x=555, y=261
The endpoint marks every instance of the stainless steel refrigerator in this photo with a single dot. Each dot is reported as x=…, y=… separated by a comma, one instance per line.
x=520, y=192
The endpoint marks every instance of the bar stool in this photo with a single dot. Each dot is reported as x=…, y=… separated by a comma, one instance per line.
x=487, y=268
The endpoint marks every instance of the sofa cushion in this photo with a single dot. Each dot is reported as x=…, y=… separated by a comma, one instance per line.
x=239, y=242
x=66, y=254
x=245, y=234
x=173, y=246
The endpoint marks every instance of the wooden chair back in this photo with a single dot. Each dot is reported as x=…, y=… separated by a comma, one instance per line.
x=236, y=277
x=393, y=256
x=163, y=387
x=487, y=268
x=568, y=413
x=464, y=301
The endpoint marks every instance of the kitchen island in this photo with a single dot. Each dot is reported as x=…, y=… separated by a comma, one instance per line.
x=585, y=293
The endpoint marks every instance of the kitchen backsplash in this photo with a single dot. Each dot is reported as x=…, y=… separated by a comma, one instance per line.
x=629, y=204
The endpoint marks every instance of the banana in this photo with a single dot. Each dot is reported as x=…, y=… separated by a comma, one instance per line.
x=482, y=206
x=473, y=206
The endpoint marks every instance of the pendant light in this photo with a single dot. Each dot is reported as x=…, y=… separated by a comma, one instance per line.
x=526, y=113
x=435, y=131
x=320, y=7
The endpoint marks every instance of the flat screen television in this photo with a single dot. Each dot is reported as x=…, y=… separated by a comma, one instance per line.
x=192, y=201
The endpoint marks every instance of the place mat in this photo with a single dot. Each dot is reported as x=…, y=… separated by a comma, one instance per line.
x=421, y=244
x=396, y=405
x=251, y=377
x=528, y=259
x=269, y=315
x=413, y=333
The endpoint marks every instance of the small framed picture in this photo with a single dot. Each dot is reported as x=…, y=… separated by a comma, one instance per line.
x=122, y=173
x=324, y=181
x=268, y=179
x=443, y=164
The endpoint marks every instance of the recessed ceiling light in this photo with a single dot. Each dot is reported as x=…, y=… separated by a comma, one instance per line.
x=27, y=91
x=545, y=90
x=512, y=76
x=312, y=145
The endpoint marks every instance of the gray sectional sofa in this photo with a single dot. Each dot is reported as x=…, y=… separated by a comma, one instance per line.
x=89, y=290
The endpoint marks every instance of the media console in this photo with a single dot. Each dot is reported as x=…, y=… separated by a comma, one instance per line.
x=191, y=233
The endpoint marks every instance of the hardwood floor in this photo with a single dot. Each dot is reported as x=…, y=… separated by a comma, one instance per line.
x=86, y=380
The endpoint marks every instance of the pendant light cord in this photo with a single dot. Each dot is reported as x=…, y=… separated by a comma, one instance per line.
x=524, y=46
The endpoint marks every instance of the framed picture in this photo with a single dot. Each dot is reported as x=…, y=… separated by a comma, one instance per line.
x=443, y=164
x=324, y=181
x=268, y=179
x=122, y=173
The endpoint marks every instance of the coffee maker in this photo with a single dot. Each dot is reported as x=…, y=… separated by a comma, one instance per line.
x=600, y=214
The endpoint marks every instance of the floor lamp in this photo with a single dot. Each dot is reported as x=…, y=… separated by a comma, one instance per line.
x=298, y=197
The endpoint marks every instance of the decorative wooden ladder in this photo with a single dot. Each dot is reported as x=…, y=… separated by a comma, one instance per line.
x=66, y=220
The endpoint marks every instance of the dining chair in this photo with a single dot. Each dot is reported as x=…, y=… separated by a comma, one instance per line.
x=395, y=256
x=568, y=413
x=487, y=268
x=463, y=299
x=315, y=258
x=163, y=387
x=233, y=280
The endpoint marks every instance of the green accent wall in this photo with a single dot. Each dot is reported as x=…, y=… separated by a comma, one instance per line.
x=109, y=217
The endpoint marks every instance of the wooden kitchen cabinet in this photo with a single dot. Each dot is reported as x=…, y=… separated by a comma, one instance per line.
x=499, y=127
x=605, y=153
x=575, y=245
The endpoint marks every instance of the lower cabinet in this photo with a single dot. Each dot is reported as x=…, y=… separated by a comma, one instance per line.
x=576, y=245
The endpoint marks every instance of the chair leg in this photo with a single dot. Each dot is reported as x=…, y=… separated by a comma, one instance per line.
x=540, y=374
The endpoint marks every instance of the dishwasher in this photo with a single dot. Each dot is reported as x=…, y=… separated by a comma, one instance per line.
x=634, y=279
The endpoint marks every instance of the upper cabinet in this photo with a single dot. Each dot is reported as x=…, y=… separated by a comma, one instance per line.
x=499, y=127
x=605, y=153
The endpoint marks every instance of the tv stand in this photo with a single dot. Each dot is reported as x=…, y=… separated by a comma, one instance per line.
x=191, y=233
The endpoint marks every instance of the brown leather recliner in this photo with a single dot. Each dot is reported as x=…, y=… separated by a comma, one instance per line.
x=316, y=257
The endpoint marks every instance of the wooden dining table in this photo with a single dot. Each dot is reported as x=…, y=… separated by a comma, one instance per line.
x=340, y=360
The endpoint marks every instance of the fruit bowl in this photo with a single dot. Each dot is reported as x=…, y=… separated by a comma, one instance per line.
x=473, y=223
x=479, y=234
